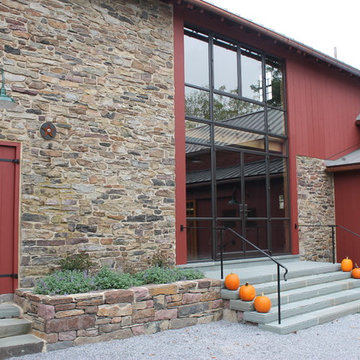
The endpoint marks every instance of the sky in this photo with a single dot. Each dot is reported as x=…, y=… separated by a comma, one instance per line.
x=320, y=24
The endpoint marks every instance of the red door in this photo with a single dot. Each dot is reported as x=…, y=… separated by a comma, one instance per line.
x=9, y=173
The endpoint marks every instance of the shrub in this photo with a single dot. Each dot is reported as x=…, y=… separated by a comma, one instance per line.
x=65, y=282
x=74, y=281
x=80, y=261
x=108, y=279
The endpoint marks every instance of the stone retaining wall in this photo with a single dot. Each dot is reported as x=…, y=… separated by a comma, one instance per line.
x=65, y=321
x=315, y=206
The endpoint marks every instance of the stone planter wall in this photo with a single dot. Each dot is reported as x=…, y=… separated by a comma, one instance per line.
x=65, y=321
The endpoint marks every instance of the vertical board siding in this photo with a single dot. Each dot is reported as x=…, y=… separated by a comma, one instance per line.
x=347, y=200
x=322, y=107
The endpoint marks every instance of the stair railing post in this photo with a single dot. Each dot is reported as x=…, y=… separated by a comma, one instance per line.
x=222, y=253
x=278, y=291
x=333, y=242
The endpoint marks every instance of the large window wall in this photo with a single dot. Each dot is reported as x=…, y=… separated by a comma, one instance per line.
x=236, y=148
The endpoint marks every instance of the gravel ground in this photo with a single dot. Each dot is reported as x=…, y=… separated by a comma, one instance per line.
x=228, y=341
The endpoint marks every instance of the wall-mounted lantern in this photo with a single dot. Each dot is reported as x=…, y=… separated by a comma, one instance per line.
x=6, y=102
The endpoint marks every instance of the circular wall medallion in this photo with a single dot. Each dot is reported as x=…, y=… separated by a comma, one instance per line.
x=48, y=131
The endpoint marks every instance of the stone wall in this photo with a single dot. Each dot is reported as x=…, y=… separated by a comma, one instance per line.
x=65, y=321
x=315, y=206
x=102, y=72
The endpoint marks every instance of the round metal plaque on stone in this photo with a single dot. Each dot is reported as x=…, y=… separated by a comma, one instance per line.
x=48, y=131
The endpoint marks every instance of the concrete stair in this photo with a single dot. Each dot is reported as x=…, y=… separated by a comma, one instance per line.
x=15, y=339
x=312, y=295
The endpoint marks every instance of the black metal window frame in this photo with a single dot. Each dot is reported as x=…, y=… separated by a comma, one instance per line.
x=211, y=38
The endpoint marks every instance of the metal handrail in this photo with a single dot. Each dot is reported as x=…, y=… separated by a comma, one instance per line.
x=182, y=227
x=332, y=226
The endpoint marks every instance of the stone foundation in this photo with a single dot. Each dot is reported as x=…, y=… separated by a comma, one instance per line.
x=315, y=206
x=65, y=321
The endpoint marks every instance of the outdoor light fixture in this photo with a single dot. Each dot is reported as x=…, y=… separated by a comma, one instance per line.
x=357, y=122
x=6, y=102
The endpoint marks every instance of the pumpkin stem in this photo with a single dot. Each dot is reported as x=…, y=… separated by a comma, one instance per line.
x=356, y=265
x=246, y=284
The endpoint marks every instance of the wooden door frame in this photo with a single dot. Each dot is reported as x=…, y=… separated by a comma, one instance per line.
x=16, y=254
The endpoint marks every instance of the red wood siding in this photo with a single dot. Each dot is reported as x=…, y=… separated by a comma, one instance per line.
x=9, y=175
x=347, y=200
x=322, y=107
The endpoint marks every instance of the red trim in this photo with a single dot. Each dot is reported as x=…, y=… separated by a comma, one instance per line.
x=17, y=147
x=292, y=169
x=180, y=160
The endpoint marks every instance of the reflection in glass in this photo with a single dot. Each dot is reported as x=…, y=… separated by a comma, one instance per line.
x=197, y=103
x=197, y=132
x=238, y=113
x=231, y=243
x=225, y=68
x=280, y=236
x=196, y=62
x=251, y=77
x=199, y=237
x=228, y=185
x=256, y=232
x=255, y=185
x=237, y=138
x=274, y=84
x=278, y=187
x=198, y=180
x=276, y=121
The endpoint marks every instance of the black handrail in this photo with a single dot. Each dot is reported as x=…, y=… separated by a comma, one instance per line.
x=332, y=226
x=182, y=227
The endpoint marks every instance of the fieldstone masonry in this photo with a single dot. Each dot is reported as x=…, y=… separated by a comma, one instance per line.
x=315, y=206
x=102, y=72
x=77, y=319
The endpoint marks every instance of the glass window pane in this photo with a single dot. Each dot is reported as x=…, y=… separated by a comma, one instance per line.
x=197, y=103
x=238, y=138
x=279, y=202
x=225, y=68
x=197, y=132
x=256, y=232
x=274, y=84
x=238, y=113
x=198, y=180
x=255, y=185
x=196, y=61
x=231, y=243
x=276, y=121
x=228, y=185
x=199, y=238
x=280, y=236
x=251, y=76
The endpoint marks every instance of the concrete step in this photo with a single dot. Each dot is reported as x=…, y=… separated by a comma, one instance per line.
x=300, y=293
x=9, y=311
x=303, y=306
x=313, y=318
x=13, y=327
x=20, y=345
x=292, y=283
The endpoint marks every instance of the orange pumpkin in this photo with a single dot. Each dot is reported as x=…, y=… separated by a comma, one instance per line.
x=346, y=264
x=247, y=292
x=262, y=304
x=356, y=272
x=232, y=281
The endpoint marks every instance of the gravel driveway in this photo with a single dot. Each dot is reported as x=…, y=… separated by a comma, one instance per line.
x=227, y=341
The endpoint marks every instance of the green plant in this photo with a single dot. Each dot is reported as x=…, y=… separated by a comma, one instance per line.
x=75, y=281
x=65, y=282
x=80, y=261
x=109, y=279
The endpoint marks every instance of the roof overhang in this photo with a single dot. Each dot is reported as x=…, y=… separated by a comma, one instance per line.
x=298, y=47
x=348, y=162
